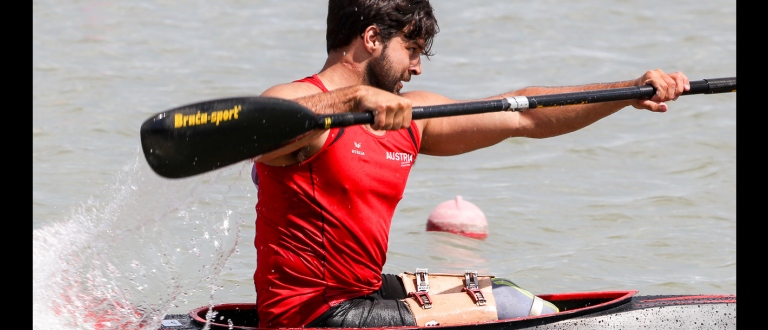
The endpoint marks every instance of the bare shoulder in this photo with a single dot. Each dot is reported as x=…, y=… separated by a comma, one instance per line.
x=424, y=98
x=291, y=90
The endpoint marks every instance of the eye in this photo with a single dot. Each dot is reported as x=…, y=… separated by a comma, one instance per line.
x=413, y=49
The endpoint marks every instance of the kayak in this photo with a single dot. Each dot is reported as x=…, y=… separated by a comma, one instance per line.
x=578, y=310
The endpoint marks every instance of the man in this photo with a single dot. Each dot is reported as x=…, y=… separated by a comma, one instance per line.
x=326, y=201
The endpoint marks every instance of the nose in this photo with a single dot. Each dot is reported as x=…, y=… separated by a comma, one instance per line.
x=415, y=66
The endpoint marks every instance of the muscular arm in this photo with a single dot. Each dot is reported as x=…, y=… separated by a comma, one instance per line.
x=392, y=112
x=311, y=97
x=460, y=134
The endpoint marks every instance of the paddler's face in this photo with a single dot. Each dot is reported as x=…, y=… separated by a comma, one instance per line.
x=399, y=59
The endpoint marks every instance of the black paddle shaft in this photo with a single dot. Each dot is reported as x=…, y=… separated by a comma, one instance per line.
x=204, y=136
x=705, y=86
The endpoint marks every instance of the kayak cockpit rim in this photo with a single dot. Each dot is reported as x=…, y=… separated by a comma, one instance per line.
x=244, y=316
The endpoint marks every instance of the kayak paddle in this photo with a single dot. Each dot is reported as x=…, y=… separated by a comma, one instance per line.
x=204, y=136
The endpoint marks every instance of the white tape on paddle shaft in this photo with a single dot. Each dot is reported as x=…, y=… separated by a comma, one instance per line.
x=517, y=103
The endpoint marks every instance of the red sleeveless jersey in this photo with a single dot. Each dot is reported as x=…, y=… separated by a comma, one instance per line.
x=322, y=226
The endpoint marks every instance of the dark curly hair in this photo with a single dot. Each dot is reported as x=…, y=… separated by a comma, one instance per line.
x=347, y=19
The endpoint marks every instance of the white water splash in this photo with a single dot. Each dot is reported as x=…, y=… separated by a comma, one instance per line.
x=118, y=261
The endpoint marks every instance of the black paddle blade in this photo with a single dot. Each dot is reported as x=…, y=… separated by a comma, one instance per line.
x=205, y=136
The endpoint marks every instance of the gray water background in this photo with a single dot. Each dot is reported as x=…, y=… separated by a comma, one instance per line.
x=637, y=201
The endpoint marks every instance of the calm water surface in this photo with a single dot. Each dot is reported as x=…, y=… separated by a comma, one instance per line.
x=638, y=201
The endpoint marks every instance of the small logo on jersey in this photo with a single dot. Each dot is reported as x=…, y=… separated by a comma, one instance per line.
x=358, y=152
x=405, y=159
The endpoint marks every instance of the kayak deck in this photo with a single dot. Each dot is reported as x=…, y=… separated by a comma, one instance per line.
x=578, y=310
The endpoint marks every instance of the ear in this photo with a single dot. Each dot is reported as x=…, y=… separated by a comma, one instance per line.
x=372, y=39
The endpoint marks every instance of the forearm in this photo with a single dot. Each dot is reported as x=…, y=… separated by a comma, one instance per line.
x=448, y=136
x=554, y=121
x=460, y=134
x=544, y=90
x=390, y=112
x=339, y=100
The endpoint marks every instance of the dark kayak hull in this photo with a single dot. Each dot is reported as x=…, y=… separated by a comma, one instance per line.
x=578, y=310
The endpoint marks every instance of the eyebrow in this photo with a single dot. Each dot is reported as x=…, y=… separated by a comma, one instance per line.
x=417, y=41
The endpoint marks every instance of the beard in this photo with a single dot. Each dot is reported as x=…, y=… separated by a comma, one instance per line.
x=379, y=73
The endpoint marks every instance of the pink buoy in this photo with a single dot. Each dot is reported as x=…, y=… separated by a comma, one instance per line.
x=458, y=217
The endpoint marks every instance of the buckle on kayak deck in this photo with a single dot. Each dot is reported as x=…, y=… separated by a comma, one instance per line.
x=422, y=279
x=422, y=289
x=422, y=297
x=472, y=288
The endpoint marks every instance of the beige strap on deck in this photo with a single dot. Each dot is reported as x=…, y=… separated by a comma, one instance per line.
x=450, y=299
